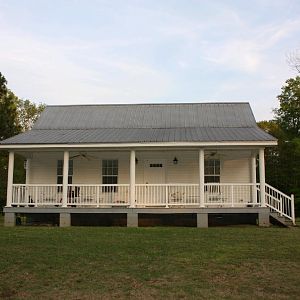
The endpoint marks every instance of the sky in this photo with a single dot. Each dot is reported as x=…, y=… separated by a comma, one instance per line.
x=86, y=52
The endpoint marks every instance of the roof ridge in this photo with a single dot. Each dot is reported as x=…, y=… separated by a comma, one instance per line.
x=150, y=104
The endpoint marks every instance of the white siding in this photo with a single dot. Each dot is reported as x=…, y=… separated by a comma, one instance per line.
x=43, y=167
x=235, y=171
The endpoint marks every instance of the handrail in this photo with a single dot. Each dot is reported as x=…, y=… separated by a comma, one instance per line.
x=284, y=204
x=277, y=191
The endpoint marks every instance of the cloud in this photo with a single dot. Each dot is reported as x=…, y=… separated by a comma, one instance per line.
x=45, y=70
x=249, y=52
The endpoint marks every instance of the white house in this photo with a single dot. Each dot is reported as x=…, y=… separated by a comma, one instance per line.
x=198, y=159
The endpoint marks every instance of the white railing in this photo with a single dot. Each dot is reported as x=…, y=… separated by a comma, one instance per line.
x=280, y=203
x=98, y=195
x=166, y=194
x=77, y=195
x=232, y=195
x=147, y=195
x=36, y=194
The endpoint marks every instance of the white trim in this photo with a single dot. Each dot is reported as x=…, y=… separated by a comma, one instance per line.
x=201, y=176
x=262, y=179
x=253, y=176
x=10, y=178
x=65, y=178
x=140, y=145
x=132, y=178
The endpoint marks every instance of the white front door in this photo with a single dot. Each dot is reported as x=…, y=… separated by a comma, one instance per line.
x=154, y=171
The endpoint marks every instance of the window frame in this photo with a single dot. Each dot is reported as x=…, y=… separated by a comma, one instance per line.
x=60, y=170
x=215, y=166
x=110, y=174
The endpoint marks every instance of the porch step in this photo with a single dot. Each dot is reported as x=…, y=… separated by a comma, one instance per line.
x=276, y=219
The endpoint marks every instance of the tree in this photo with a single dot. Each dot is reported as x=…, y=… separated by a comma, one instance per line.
x=293, y=59
x=28, y=113
x=283, y=161
x=288, y=114
x=16, y=115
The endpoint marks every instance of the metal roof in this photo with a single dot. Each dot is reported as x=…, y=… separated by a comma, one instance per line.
x=138, y=123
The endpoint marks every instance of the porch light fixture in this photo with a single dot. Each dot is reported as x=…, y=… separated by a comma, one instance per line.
x=136, y=161
x=175, y=161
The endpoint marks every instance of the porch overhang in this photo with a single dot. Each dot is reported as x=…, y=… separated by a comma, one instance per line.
x=220, y=144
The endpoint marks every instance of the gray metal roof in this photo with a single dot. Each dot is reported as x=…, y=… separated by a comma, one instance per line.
x=138, y=123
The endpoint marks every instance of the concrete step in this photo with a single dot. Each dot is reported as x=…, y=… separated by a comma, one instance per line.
x=276, y=219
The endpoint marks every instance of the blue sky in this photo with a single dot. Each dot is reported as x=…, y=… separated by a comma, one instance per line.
x=71, y=52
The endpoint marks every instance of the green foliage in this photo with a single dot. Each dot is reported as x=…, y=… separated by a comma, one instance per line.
x=16, y=116
x=288, y=114
x=283, y=161
x=28, y=113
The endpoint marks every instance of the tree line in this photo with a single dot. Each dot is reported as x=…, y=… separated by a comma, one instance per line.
x=16, y=116
x=282, y=162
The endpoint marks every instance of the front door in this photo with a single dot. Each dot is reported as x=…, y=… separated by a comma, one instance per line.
x=154, y=178
x=154, y=171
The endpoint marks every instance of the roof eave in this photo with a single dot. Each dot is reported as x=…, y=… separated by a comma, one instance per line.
x=140, y=145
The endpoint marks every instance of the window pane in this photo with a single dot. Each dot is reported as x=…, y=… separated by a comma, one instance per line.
x=212, y=167
x=109, y=179
x=212, y=179
x=59, y=179
x=59, y=167
x=70, y=167
x=110, y=171
x=104, y=164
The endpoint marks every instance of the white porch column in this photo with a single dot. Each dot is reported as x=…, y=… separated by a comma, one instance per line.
x=28, y=162
x=10, y=178
x=201, y=177
x=65, y=178
x=262, y=178
x=253, y=177
x=132, y=178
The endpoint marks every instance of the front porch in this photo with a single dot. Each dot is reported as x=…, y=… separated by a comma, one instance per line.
x=145, y=180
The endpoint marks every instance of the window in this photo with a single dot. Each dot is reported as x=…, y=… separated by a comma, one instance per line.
x=60, y=166
x=212, y=171
x=109, y=174
x=156, y=165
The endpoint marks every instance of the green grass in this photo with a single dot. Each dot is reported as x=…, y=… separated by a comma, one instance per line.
x=149, y=263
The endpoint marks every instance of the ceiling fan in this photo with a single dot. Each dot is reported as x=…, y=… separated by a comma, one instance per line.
x=214, y=154
x=83, y=155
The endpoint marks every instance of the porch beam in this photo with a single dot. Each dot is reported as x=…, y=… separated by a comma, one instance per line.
x=262, y=178
x=10, y=178
x=65, y=179
x=132, y=178
x=253, y=177
x=201, y=177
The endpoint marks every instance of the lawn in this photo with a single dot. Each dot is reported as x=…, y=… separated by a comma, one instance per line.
x=149, y=263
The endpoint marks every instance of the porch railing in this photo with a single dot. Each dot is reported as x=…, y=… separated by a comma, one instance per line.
x=231, y=194
x=98, y=195
x=161, y=195
x=167, y=194
x=37, y=194
x=146, y=195
x=77, y=195
x=280, y=203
